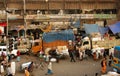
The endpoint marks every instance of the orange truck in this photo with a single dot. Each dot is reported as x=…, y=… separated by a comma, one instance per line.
x=37, y=46
x=43, y=45
x=53, y=40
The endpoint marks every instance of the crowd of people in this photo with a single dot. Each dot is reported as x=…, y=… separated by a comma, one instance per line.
x=75, y=53
x=6, y=62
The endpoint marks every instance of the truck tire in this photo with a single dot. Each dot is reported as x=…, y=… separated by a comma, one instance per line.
x=12, y=56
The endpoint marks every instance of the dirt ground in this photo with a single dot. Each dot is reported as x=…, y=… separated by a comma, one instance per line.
x=63, y=68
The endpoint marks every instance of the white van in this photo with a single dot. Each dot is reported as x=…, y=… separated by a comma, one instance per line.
x=3, y=49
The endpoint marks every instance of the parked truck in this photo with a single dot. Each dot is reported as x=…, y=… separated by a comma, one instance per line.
x=98, y=44
x=23, y=45
x=37, y=46
x=116, y=59
x=53, y=40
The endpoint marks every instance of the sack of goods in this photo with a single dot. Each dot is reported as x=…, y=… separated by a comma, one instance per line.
x=53, y=60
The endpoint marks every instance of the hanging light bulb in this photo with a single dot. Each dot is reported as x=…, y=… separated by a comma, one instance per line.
x=46, y=0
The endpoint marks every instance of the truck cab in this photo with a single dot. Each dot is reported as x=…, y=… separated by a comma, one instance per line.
x=86, y=43
x=116, y=59
x=37, y=47
x=5, y=51
x=92, y=45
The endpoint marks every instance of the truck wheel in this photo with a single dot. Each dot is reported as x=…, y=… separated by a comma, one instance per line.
x=37, y=54
x=12, y=56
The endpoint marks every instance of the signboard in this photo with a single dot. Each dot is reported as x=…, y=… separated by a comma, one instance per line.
x=3, y=24
x=14, y=16
x=37, y=17
x=59, y=16
x=84, y=16
x=64, y=16
x=105, y=16
x=30, y=16
x=87, y=16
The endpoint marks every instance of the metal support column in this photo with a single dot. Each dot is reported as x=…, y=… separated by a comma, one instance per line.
x=24, y=17
x=47, y=2
x=7, y=22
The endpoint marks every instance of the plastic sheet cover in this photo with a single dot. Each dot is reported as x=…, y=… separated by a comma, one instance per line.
x=103, y=30
x=64, y=35
x=91, y=28
x=115, y=28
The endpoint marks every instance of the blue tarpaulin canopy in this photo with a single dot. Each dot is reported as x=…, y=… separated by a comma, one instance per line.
x=103, y=30
x=75, y=24
x=64, y=35
x=91, y=28
x=115, y=28
x=117, y=48
x=117, y=53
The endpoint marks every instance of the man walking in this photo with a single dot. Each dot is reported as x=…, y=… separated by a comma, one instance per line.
x=104, y=65
x=49, y=71
x=71, y=53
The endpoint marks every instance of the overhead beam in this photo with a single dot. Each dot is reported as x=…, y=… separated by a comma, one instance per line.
x=5, y=4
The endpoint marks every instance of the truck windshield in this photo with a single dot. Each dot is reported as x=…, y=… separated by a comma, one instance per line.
x=117, y=54
x=85, y=43
x=36, y=43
